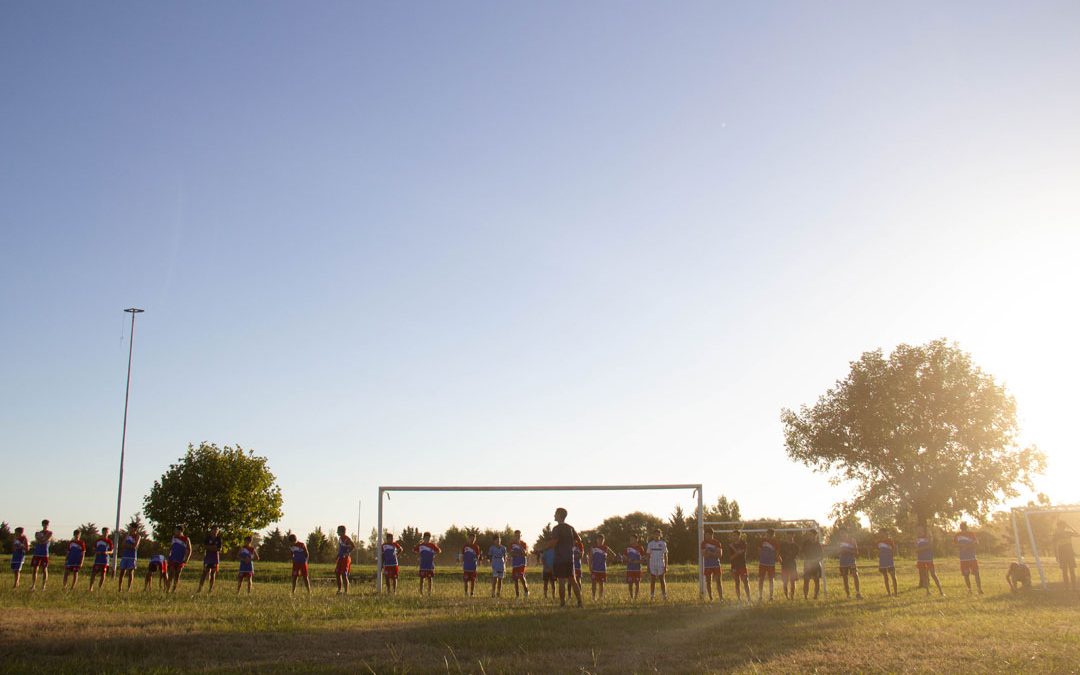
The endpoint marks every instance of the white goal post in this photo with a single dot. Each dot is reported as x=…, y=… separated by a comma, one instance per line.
x=1026, y=513
x=781, y=525
x=696, y=487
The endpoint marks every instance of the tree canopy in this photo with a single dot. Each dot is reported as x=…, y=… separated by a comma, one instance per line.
x=923, y=433
x=229, y=487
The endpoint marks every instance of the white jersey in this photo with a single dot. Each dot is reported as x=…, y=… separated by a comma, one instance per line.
x=657, y=550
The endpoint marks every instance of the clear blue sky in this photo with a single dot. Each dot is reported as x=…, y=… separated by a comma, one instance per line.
x=506, y=243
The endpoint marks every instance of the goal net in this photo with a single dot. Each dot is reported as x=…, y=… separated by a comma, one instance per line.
x=386, y=490
x=1045, y=531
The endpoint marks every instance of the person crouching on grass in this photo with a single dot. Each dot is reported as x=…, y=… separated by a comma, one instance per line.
x=1018, y=577
x=848, y=554
x=634, y=554
x=390, y=552
x=158, y=564
x=598, y=565
x=343, y=566
x=248, y=556
x=519, y=560
x=767, y=554
x=211, y=559
x=426, y=551
x=103, y=548
x=470, y=556
x=75, y=556
x=924, y=560
x=497, y=556
x=299, y=563
x=886, y=548
x=657, y=550
x=738, y=565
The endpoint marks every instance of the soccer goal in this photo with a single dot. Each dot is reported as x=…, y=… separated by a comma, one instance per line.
x=696, y=487
x=1068, y=512
x=778, y=526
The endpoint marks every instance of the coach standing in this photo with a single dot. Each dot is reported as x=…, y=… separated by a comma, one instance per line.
x=563, y=538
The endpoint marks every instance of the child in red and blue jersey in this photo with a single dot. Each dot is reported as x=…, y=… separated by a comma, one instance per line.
x=519, y=559
x=179, y=554
x=248, y=556
x=548, y=558
x=848, y=553
x=497, y=556
x=598, y=555
x=389, y=552
x=924, y=560
x=345, y=548
x=129, y=555
x=211, y=559
x=470, y=556
x=887, y=561
x=967, y=542
x=40, y=559
x=767, y=557
x=75, y=556
x=578, y=553
x=159, y=565
x=19, y=547
x=299, y=562
x=711, y=552
x=103, y=548
x=635, y=552
x=738, y=565
x=426, y=551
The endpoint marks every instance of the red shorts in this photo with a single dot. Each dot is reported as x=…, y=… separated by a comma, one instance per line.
x=969, y=566
x=924, y=565
x=766, y=571
x=470, y=576
x=391, y=571
x=344, y=565
x=599, y=576
x=299, y=569
x=427, y=574
x=39, y=561
x=104, y=569
x=247, y=575
x=713, y=572
x=849, y=569
x=518, y=572
x=789, y=573
x=73, y=568
x=738, y=572
x=633, y=576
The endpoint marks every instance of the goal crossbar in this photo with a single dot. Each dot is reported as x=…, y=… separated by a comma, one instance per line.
x=1026, y=513
x=696, y=487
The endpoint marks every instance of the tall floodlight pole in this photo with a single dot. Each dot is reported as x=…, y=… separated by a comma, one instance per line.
x=123, y=435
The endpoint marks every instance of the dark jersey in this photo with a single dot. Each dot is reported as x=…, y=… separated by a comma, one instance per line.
x=565, y=537
x=789, y=550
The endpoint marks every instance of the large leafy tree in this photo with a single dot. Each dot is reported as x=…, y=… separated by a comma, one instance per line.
x=618, y=530
x=923, y=433
x=229, y=487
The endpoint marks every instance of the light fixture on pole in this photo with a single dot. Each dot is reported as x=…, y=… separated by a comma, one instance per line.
x=123, y=436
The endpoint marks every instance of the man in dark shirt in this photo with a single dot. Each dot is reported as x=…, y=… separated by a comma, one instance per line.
x=212, y=559
x=789, y=573
x=812, y=555
x=563, y=539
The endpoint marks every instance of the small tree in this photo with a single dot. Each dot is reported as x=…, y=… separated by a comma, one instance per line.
x=681, y=547
x=275, y=546
x=618, y=530
x=5, y=537
x=924, y=432
x=228, y=487
x=90, y=533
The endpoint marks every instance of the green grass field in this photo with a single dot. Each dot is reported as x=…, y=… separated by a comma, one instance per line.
x=271, y=631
